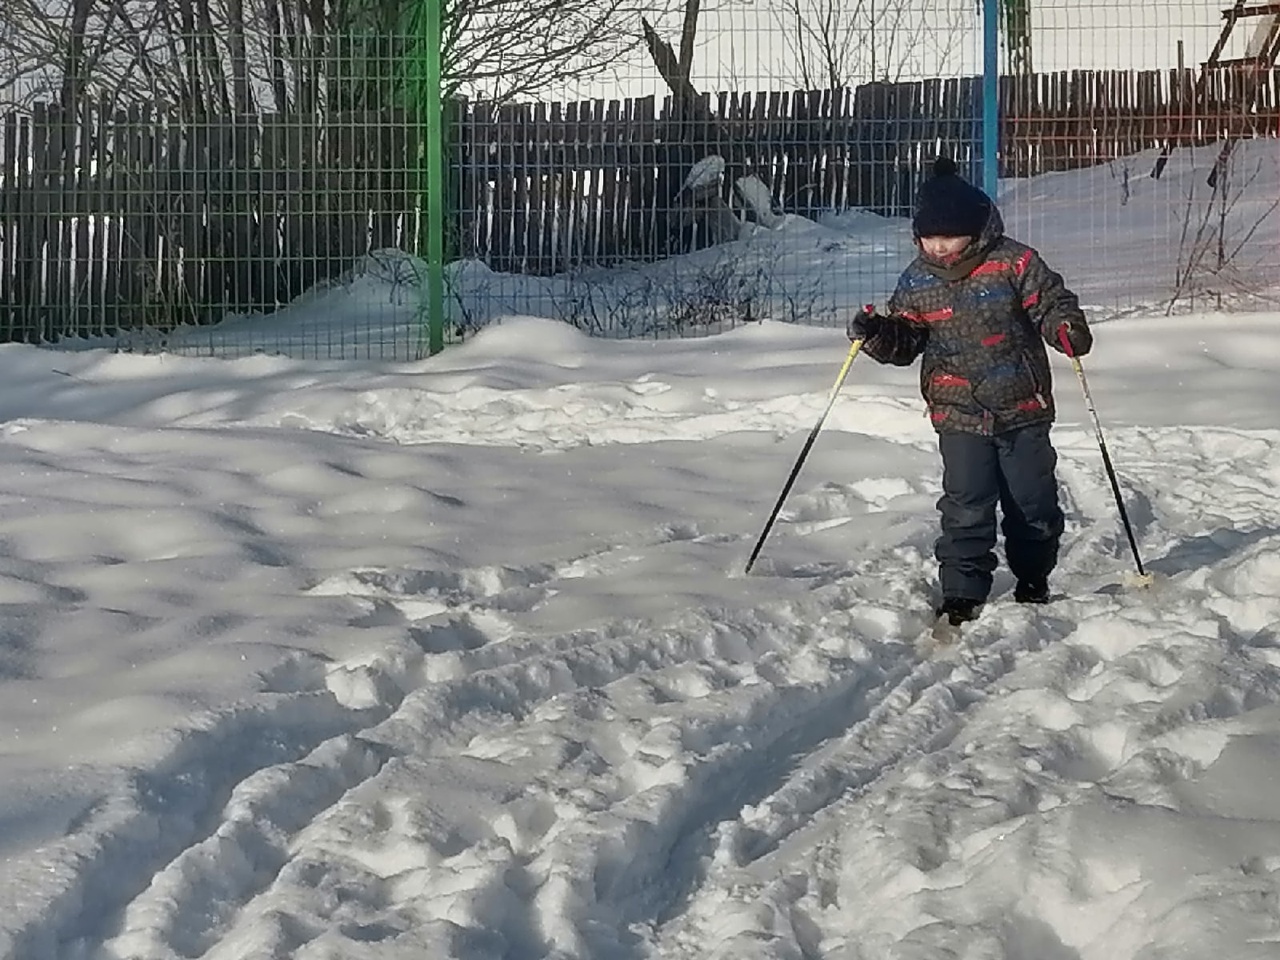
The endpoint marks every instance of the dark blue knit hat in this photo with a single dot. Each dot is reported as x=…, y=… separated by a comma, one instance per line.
x=949, y=206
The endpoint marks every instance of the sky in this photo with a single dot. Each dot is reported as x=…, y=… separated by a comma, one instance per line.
x=749, y=45
x=456, y=658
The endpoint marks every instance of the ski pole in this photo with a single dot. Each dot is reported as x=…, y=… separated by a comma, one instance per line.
x=1144, y=578
x=804, y=452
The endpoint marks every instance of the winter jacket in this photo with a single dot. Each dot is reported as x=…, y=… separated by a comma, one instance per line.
x=982, y=334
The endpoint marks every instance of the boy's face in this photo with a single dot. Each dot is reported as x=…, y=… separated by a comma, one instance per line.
x=944, y=249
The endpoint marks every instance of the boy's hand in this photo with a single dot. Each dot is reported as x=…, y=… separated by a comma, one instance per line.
x=863, y=323
x=1074, y=338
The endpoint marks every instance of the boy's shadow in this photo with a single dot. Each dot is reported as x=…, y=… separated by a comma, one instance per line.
x=1202, y=552
x=1208, y=549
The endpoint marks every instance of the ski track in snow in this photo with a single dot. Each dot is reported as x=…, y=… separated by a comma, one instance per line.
x=707, y=776
x=1103, y=665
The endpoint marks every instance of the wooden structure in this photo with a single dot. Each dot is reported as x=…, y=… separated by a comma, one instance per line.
x=1251, y=71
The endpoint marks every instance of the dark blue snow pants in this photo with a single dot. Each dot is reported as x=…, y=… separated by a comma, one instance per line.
x=1016, y=470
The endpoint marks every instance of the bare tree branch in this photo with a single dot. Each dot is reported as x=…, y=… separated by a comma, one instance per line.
x=838, y=43
x=300, y=55
x=687, y=35
x=239, y=56
x=668, y=64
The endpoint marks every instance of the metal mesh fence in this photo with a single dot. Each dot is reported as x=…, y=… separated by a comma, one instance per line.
x=212, y=176
x=153, y=230
x=220, y=177
x=1138, y=143
x=748, y=160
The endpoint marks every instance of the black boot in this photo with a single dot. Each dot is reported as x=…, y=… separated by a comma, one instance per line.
x=1031, y=591
x=959, y=610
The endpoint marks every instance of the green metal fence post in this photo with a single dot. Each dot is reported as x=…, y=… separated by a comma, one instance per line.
x=430, y=102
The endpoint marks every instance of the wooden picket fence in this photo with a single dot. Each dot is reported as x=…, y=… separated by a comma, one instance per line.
x=1065, y=121
x=548, y=187
x=112, y=219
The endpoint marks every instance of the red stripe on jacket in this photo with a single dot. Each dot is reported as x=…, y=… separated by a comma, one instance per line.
x=990, y=266
x=933, y=316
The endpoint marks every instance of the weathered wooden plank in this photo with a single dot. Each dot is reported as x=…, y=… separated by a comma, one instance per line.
x=60, y=254
x=592, y=130
x=612, y=168
x=36, y=235
x=220, y=267
x=640, y=178
x=523, y=251
x=538, y=256
x=10, y=222
x=94, y=260
x=115, y=181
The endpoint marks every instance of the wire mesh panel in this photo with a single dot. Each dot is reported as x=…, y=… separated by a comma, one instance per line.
x=255, y=188
x=226, y=177
x=744, y=160
x=1138, y=146
x=758, y=159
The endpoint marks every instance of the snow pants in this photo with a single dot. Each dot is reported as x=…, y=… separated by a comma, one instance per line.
x=1015, y=470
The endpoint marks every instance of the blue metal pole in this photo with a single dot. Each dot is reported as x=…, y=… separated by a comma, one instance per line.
x=990, y=90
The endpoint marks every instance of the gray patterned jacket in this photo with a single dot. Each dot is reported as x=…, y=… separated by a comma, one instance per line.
x=982, y=333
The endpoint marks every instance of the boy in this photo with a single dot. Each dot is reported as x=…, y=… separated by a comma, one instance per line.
x=980, y=307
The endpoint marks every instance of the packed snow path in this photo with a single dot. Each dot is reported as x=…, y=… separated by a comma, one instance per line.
x=768, y=769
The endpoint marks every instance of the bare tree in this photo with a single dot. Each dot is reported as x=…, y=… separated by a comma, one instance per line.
x=299, y=55
x=840, y=43
x=500, y=49
x=1216, y=254
x=688, y=35
x=1015, y=23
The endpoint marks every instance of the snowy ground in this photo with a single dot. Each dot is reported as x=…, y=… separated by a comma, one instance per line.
x=278, y=687
x=456, y=660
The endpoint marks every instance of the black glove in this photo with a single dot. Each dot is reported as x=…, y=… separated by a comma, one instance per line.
x=864, y=324
x=1077, y=336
